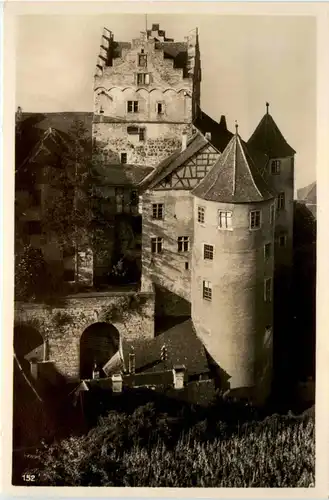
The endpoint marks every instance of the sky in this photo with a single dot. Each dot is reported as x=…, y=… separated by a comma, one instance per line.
x=246, y=61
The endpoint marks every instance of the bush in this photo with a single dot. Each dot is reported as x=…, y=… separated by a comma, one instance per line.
x=135, y=450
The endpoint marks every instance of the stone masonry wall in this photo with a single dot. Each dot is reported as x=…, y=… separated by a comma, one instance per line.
x=62, y=326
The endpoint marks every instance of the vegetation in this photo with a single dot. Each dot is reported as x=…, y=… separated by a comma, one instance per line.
x=151, y=449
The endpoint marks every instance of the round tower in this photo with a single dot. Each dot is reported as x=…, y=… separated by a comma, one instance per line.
x=232, y=271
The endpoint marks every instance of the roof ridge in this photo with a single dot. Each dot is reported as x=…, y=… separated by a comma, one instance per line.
x=248, y=166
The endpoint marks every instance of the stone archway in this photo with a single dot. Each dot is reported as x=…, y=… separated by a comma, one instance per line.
x=98, y=343
x=26, y=339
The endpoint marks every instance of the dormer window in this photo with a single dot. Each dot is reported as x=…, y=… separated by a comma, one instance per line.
x=142, y=60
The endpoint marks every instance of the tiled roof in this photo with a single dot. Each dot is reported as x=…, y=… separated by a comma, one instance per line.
x=234, y=178
x=307, y=193
x=220, y=135
x=183, y=348
x=268, y=139
x=174, y=161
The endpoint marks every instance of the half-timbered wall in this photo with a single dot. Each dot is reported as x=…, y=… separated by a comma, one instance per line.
x=192, y=172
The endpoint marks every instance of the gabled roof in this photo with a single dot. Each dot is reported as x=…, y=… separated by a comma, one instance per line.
x=175, y=160
x=268, y=139
x=51, y=143
x=234, y=178
x=220, y=135
x=307, y=193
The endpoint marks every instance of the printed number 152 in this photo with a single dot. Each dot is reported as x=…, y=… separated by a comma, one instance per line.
x=29, y=478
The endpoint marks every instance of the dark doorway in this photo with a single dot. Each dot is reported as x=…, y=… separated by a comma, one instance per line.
x=98, y=343
x=26, y=338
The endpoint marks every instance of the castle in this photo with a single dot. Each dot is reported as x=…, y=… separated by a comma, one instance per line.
x=217, y=212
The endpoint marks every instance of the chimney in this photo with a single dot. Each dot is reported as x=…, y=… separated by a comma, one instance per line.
x=117, y=382
x=131, y=363
x=208, y=136
x=222, y=122
x=34, y=369
x=184, y=141
x=179, y=375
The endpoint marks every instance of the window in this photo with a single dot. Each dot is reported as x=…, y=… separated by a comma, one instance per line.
x=268, y=289
x=268, y=335
x=34, y=227
x=142, y=134
x=225, y=220
x=157, y=211
x=267, y=250
x=143, y=78
x=207, y=290
x=275, y=167
x=132, y=106
x=186, y=266
x=201, y=214
x=119, y=199
x=142, y=60
x=134, y=198
x=156, y=245
x=282, y=240
x=254, y=219
x=160, y=108
x=281, y=201
x=123, y=157
x=208, y=252
x=272, y=214
x=183, y=243
x=132, y=130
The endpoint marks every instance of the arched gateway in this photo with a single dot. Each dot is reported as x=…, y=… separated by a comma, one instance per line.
x=98, y=343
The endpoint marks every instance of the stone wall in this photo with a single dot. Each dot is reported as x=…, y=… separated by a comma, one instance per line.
x=168, y=269
x=132, y=313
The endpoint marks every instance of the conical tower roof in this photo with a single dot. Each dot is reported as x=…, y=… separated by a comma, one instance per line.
x=268, y=139
x=234, y=178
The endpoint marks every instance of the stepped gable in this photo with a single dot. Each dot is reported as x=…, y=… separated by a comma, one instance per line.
x=234, y=178
x=268, y=139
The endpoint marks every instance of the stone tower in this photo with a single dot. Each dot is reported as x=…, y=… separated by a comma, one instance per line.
x=232, y=271
x=279, y=173
x=146, y=93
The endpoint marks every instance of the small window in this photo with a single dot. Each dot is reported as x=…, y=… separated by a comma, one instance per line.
x=207, y=290
x=142, y=134
x=208, y=252
x=268, y=290
x=282, y=240
x=281, y=201
x=119, y=199
x=157, y=211
x=131, y=130
x=160, y=108
x=225, y=220
x=143, y=79
x=272, y=214
x=123, y=157
x=186, y=266
x=183, y=243
x=254, y=219
x=142, y=60
x=34, y=227
x=267, y=250
x=268, y=334
x=68, y=275
x=201, y=214
x=132, y=106
x=275, y=167
x=134, y=198
x=156, y=245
